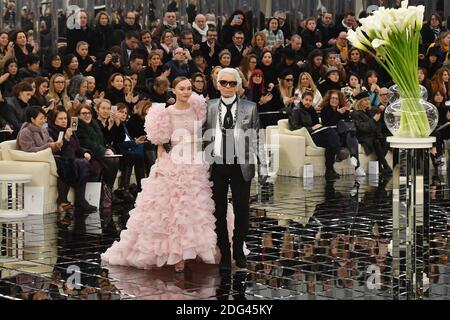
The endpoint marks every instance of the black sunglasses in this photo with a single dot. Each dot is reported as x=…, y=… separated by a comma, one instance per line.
x=225, y=83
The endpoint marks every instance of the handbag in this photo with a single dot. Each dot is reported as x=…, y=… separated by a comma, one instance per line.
x=346, y=126
x=131, y=147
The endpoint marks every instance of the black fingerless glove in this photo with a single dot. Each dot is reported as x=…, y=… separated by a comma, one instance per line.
x=167, y=147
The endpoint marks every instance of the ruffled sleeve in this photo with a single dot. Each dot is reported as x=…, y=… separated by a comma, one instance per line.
x=198, y=102
x=157, y=124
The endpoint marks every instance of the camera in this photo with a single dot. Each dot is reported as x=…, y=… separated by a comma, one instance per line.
x=115, y=58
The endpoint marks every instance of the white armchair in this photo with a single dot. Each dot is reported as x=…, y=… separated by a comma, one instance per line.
x=41, y=165
x=297, y=149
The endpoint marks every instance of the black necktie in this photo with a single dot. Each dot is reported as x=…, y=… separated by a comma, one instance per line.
x=228, y=120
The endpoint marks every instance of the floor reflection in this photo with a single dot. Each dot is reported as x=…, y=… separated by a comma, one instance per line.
x=309, y=239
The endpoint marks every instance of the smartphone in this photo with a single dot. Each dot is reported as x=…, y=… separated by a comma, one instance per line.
x=175, y=41
x=114, y=109
x=74, y=123
x=60, y=136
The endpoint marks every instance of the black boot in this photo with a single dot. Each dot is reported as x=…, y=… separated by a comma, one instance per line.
x=225, y=261
x=125, y=184
x=81, y=205
x=238, y=254
x=331, y=175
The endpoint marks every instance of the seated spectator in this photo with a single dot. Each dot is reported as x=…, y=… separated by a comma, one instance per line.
x=236, y=22
x=256, y=89
x=58, y=91
x=431, y=30
x=211, y=86
x=332, y=61
x=335, y=112
x=424, y=80
x=274, y=35
x=85, y=62
x=201, y=64
x=288, y=61
x=82, y=32
x=21, y=48
x=200, y=29
x=168, y=44
x=110, y=66
x=39, y=99
x=353, y=88
x=237, y=49
x=269, y=70
x=131, y=97
x=102, y=36
x=305, y=116
x=53, y=66
x=9, y=78
x=355, y=64
x=133, y=155
x=75, y=164
x=371, y=83
x=259, y=44
x=332, y=81
x=151, y=72
x=306, y=83
x=312, y=37
x=210, y=48
x=431, y=62
x=32, y=68
x=369, y=131
x=440, y=81
x=70, y=66
x=91, y=137
x=169, y=24
x=15, y=107
x=315, y=66
x=135, y=127
x=114, y=91
x=198, y=81
x=77, y=89
x=147, y=43
x=437, y=98
x=181, y=65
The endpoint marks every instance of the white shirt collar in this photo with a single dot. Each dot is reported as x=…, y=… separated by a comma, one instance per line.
x=228, y=100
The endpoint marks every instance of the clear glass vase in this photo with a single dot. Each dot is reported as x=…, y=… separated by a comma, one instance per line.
x=411, y=118
x=395, y=94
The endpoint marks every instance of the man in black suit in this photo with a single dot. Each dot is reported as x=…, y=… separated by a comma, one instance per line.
x=210, y=49
x=238, y=49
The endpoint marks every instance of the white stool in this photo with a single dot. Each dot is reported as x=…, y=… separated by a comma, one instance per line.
x=11, y=215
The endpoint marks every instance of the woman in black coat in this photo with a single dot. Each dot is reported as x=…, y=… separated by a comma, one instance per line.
x=305, y=116
x=102, y=35
x=335, y=111
x=369, y=131
x=114, y=91
x=75, y=167
x=90, y=137
x=10, y=68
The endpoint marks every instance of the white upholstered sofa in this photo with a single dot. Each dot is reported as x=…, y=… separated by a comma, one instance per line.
x=296, y=148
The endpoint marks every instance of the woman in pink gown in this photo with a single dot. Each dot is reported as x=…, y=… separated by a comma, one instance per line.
x=173, y=217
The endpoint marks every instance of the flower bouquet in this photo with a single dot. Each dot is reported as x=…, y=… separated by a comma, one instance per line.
x=392, y=37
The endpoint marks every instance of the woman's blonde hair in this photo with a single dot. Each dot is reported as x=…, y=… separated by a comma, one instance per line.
x=311, y=87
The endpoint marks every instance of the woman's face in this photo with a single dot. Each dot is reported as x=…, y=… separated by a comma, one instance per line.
x=421, y=76
x=446, y=40
x=168, y=38
x=199, y=83
x=355, y=56
x=123, y=114
x=239, y=19
x=4, y=40
x=257, y=79
x=438, y=98
x=214, y=75
x=12, y=68
x=103, y=20
x=334, y=100
x=73, y=64
x=39, y=121
x=365, y=104
x=117, y=83
x=434, y=21
x=225, y=61
x=304, y=81
x=43, y=88
x=318, y=61
x=86, y=115
x=331, y=60
x=373, y=79
x=61, y=120
x=252, y=64
x=127, y=86
x=273, y=24
x=288, y=81
x=25, y=96
x=311, y=25
x=267, y=59
x=155, y=61
x=307, y=101
x=134, y=80
x=104, y=110
x=91, y=84
x=56, y=62
x=445, y=76
x=59, y=84
x=260, y=41
x=433, y=59
x=83, y=88
x=183, y=91
x=353, y=81
x=21, y=39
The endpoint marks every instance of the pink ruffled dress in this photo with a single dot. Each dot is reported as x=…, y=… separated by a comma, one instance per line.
x=173, y=216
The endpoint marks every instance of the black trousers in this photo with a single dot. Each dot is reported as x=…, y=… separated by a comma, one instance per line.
x=223, y=177
x=328, y=139
x=350, y=141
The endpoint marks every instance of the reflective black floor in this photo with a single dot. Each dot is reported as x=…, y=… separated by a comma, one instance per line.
x=308, y=240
